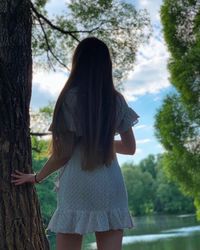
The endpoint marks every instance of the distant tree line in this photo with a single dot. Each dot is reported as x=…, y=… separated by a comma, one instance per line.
x=150, y=191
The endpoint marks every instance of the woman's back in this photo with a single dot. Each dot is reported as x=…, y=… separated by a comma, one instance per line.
x=125, y=116
x=89, y=112
x=95, y=200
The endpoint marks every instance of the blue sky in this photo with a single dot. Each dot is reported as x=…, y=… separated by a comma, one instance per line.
x=144, y=89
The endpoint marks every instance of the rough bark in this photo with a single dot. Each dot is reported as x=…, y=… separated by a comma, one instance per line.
x=21, y=226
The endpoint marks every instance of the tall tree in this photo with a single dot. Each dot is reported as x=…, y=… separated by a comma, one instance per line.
x=178, y=120
x=25, y=27
x=21, y=226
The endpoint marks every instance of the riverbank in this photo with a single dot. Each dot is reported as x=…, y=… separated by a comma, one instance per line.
x=161, y=232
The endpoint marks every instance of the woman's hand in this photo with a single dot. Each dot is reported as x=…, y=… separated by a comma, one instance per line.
x=22, y=178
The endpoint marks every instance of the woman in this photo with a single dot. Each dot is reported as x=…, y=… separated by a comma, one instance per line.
x=88, y=114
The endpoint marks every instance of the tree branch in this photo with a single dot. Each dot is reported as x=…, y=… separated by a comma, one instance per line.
x=39, y=134
x=65, y=32
x=49, y=47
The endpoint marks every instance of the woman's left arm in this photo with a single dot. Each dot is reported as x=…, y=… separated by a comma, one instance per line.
x=52, y=164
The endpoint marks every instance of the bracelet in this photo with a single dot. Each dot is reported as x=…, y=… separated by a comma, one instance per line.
x=36, y=181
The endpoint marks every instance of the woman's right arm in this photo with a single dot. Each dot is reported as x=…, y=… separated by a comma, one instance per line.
x=127, y=144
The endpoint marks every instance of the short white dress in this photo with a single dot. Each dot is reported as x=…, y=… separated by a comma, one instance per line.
x=92, y=201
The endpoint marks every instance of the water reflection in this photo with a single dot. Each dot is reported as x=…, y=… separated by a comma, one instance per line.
x=186, y=230
x=161, y=235
x=158, y=232
x=179, y=232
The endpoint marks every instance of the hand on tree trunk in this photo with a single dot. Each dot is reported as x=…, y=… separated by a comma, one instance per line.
x=22, y=178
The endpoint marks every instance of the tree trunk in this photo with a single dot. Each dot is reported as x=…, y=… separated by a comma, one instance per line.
x=21, y=226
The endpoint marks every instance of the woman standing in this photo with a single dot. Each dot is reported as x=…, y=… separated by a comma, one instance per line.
x=89, y=112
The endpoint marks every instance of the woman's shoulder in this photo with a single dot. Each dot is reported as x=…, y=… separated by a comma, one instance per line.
x=120, y=101
x=70, y=96
x=125, y=115
x=72, y=91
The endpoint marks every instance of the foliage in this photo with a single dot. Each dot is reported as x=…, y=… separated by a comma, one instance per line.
x=116, y=22
x=40, y=120
x=40, y=3
x=39, y=148
x=181, y=21
x=149, y=165
x=179, y=136
x=150, y=191
x=140, y=187
x=46, y=194
x=40, y=145
x=169, y=198
x=48, y=110
x=178, y=120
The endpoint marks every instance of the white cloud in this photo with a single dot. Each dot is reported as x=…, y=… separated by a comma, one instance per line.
x=138, y=151
x=144, y=3
x=129, y=95
x=157, y=98
x=153, y=8
x=143, y=126
x=55, y=7
x=50, y=82
x=150, y=74
x=143, y=141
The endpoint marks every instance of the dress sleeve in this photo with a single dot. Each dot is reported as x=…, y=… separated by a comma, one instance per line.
x=69, y=117
x=127, y=117
x=69, y=113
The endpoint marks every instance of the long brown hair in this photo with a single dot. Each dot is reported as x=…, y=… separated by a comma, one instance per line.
x=91, y=73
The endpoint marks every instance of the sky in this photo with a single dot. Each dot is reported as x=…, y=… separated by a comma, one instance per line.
x=144, y=89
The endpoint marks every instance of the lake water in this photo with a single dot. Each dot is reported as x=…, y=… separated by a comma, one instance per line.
x=155, y=233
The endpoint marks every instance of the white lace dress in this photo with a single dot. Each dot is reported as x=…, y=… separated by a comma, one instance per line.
x=92, y=201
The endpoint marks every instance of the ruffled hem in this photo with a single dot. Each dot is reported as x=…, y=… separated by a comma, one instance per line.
x=83, y=222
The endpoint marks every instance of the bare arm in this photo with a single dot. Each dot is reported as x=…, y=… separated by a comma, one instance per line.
x=51, y=165
x=56, y=162
x=127, y=144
